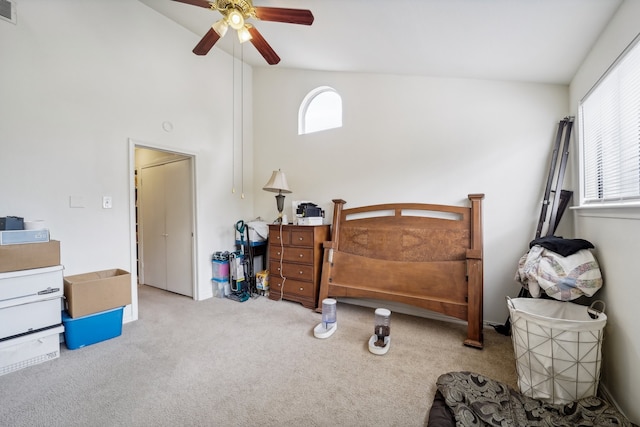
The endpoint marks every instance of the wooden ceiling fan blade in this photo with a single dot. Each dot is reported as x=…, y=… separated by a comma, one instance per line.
x=281, y=14
x=263, y=47
x=201, y=3
x=206, y=43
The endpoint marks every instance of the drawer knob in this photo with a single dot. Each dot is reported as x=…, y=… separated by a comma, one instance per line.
x=300, y=272
x=278, y=253
x=300, y=255
x=300, y=238
x=302, y=289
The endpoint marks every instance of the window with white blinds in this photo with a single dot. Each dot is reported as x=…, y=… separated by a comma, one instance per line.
x=609, y=120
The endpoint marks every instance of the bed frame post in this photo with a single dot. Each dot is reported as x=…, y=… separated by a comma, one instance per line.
x=475, y=276
x=328, y=252
x=337, y=214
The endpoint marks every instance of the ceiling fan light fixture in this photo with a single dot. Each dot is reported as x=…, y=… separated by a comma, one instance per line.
x=236, y=13
x=235, y=19
x=244, y=35
x=221, y=27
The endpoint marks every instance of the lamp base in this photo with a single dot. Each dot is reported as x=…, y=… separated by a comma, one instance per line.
x=280, y=203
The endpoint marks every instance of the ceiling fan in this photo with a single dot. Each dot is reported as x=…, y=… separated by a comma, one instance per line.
x=235, y=13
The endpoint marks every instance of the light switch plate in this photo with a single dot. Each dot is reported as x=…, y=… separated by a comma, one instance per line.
x=76, y=202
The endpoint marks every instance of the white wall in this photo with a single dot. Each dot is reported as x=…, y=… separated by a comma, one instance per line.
x=417, y=139
x=614, y=233
x=78, y=80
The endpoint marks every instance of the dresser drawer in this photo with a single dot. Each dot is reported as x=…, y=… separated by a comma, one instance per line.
x=301, y=237
x=303, y=255
x=291, y=287
x=295, y=236
x=292, y=271
x=279, y=236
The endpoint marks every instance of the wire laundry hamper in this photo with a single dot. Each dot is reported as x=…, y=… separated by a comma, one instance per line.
x=558, y=348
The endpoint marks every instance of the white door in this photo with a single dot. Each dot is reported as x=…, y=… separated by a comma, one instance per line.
x=166, y=226
x=178, y=203
x=152, y=231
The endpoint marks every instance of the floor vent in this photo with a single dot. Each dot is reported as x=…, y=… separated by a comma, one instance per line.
x=8, y=11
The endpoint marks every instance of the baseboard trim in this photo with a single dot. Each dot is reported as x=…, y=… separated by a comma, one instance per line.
x=604, y=393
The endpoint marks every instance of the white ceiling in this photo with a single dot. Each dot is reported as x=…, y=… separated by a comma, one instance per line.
x=521, y=40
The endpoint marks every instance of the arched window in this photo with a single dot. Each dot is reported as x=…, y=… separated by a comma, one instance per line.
x=320, y=110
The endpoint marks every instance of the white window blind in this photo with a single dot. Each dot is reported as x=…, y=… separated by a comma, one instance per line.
x=609, y=119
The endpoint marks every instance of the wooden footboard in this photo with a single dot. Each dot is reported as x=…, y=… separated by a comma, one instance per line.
x=423, y=255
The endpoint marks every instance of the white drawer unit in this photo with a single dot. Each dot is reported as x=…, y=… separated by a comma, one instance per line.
x=25, y=318
x=30, y=349
x=30, y=317
x=24, y=286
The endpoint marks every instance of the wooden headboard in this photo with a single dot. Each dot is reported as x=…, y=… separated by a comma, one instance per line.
x=423, y=255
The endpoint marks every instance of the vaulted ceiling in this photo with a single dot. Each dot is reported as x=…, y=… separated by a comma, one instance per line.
x=519, y=40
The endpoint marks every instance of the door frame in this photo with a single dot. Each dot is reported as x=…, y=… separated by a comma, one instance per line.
x=133, y=144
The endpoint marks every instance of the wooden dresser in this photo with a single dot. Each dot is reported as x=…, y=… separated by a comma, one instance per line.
x=295, y=262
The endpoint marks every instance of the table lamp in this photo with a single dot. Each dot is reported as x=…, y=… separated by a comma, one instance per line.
x=278, y=184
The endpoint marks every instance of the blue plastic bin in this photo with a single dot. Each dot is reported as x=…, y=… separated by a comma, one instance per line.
x=86, y=330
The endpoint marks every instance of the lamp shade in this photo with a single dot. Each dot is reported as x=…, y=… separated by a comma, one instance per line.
x=277, y=183
x=235, y=18
x=244, y=35
x=221, y=27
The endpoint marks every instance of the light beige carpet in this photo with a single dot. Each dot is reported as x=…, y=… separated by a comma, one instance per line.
x=223, y=363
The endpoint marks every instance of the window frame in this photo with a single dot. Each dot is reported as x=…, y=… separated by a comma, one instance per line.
x=308, y=102
x=601, y=200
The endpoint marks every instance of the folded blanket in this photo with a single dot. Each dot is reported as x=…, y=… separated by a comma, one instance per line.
x=562, y=278
x=476, y=400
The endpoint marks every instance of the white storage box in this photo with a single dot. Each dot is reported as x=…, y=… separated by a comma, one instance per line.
x=24, y=286
x=557, y=348
x=13, y=237
x=311, y=220
x=25, y=318
x=31, y=349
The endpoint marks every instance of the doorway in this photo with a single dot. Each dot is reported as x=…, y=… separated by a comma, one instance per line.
x=164, y=193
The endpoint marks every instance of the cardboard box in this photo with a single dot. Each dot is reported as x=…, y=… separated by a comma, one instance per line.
x=94, y=328
x=29, y=255
x=262, y=280
x=97, y=291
